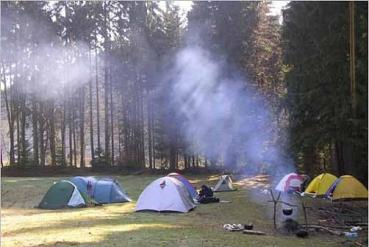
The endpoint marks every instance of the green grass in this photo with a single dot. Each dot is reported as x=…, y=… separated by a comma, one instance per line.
x=119, y=225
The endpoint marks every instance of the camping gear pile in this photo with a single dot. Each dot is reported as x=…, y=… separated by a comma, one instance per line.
x=244, y=228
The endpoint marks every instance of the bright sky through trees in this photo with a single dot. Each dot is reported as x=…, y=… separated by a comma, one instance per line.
x=276, y=6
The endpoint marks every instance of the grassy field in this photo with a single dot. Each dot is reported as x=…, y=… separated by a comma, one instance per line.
x=119, y=225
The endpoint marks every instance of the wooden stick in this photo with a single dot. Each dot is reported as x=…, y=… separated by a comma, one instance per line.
x=286, y=203
x=340, y=227
x=305, y=214
x=337, y=233
x=359, y=244
x=356, y=223
x=251, y=232
x=275, y=207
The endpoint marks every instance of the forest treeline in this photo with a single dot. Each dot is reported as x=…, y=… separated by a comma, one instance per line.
x=312, y=69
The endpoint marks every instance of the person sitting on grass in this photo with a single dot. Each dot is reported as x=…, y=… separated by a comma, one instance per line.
x=206, y=195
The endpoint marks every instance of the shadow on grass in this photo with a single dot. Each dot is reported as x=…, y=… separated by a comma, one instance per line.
x=144, y=238
x=111, y=219
x=161, y=236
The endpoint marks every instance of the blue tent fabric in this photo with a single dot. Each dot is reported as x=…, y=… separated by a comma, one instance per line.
x=186, y=183
x=105, y=190
x=333, y=187
x=85, y=184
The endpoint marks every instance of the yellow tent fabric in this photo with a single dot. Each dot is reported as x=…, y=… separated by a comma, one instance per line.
x=320, y=184
x=348, y=187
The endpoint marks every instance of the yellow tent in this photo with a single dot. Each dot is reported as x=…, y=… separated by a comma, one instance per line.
x=347, y=187
x=320, y=184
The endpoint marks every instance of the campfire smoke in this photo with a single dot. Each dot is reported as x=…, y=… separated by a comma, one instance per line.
x=222, y=115
x=225, y=119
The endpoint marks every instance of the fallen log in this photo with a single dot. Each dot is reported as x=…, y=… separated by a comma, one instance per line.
x=333, y=232
x=356, y=223
x=342, y=227
x=252, y=232
x=359, y=244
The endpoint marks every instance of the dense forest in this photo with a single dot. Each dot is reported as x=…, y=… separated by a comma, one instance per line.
x=87, y=83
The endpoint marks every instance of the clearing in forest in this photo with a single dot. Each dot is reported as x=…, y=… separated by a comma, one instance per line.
x=119, y=225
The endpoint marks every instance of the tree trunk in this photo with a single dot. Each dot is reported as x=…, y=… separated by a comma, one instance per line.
x=91, y=114
x=112, y=121
x=142, y=129
x=74, y=137
x=309, y=160
x=107, y=130
x=62, y=132
x=149, y=133
x=97, y=107
x=340, y=159
x=24, y=151
x=10, y=114
x=82, y=128
x=106, y=88
x=19, y=143
x=70, y=133
x=41, y=133
x=35, y=132
x=52, y=135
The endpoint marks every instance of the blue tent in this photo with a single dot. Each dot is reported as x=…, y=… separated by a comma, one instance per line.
x=104, y=190
x=186, y=183
x=108, y=190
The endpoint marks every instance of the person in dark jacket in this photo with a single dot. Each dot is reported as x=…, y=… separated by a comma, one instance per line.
x=206, y=195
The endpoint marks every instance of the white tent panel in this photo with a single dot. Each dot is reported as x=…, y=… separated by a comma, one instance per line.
x=76, y=199
x=291, y=180
x=224, y=184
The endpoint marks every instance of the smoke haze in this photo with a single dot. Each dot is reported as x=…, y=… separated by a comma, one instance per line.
x=222, y=115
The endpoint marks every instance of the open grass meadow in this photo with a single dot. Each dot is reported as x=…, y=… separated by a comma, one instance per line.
x=119, y=225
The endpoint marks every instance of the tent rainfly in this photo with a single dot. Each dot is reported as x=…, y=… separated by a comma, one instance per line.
x=64, y=194
x=224, y=184
x=347, y=188
x=320, y=184
x=103, y=190
x=165, y=194
x=186, y=183
x=290, y=182
x=108, y=190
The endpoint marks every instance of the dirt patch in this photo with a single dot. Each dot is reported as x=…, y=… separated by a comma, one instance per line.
x=255, y=182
